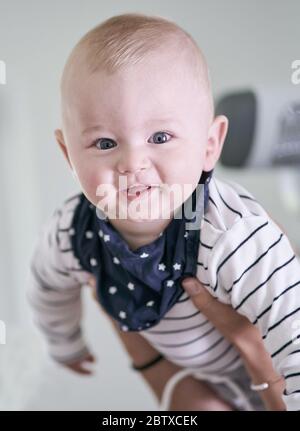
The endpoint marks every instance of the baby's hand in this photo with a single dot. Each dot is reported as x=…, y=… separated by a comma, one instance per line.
x=78, y=365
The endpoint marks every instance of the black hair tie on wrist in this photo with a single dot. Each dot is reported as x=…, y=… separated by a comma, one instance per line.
x=148, y=364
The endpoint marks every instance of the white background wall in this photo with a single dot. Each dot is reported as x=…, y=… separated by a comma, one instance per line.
x=245, y=42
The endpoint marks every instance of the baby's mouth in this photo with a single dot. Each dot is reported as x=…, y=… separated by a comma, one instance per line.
x=136, y=191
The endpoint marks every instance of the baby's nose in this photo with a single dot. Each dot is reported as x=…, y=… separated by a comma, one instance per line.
x=131, y=163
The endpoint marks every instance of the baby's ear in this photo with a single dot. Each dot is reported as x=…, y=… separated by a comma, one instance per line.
x=216, y=136
x=61, y=142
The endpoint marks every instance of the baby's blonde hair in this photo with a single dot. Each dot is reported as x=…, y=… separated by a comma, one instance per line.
x=127, y=39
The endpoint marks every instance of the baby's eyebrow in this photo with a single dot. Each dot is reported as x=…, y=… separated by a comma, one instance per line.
x=169, y=120
x=91, y=129
x=162, y=120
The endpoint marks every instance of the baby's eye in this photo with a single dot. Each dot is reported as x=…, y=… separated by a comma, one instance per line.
x=161, y=137
x=104, y=143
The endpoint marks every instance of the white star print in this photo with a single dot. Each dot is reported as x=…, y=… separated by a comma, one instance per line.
x=186, y=234
x=177, y=266
x=144, y=255
x=71, y=231
x=124, y=328
x=100, y=233
x=170, y=283
x=106, y=238
x=122, y=314
x=150, y=303
x=112, y=290
x=116, y=260
x=161, y=267
x=89, y=234
x=93, y=261
x=130, y=286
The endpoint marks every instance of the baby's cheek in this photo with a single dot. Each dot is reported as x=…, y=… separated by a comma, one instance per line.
x=100, y=189
x=89, y=183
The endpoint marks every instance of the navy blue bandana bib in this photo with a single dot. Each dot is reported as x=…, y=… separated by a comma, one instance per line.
x=138, y=287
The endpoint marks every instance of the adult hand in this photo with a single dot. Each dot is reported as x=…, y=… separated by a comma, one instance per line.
x=245, y=337
x=233, y=326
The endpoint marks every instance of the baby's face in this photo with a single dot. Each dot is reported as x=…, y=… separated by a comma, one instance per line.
x=149, y=124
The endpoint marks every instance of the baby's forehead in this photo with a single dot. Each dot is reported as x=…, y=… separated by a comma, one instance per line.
x=187, y=57
x=180, y=70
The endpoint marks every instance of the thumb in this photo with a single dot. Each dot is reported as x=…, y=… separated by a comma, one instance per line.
x=192, y=286
x=200, y=296
x=92, y=281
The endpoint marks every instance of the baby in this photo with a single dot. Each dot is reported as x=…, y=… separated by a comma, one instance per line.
x=140, y=85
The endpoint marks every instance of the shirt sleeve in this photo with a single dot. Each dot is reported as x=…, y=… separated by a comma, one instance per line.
x=54, y=288
x=253, y=266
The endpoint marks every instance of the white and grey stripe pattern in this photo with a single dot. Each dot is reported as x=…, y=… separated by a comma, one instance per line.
x=54, y=286
x=244, y=260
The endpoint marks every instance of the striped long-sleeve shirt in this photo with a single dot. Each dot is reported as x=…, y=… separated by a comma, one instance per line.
x=244, y=259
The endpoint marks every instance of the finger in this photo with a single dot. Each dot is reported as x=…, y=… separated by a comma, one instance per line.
x=92, y=281
x=222, y=316
x=90, y=358
x=94, y=294
x=82, y=370
x=92, y=284
x=78, y=368
x=234, y=326
x=200, y=296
